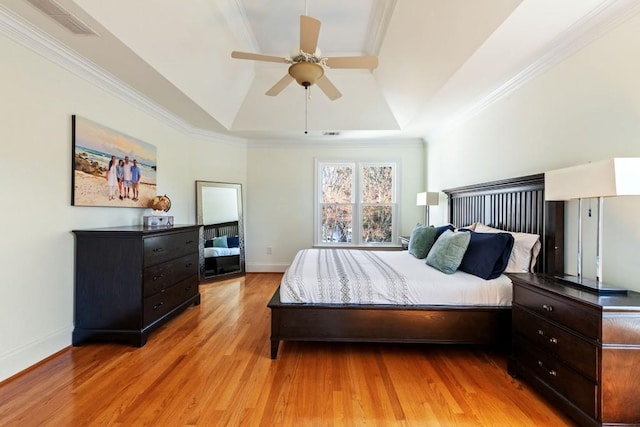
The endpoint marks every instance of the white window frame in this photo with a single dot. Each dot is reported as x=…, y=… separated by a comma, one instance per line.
x=357, y=202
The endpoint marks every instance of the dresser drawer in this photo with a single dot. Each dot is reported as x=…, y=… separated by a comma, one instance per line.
x=162, y=276
x=163, y=302
x=575, y=387
x=575, y=351
x=163, y=248
x=564, y=312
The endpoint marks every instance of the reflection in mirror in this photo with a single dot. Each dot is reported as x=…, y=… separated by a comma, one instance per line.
x=219, y=210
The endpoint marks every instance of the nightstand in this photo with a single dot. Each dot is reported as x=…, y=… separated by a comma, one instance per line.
x=579, y=349
x=404, y=242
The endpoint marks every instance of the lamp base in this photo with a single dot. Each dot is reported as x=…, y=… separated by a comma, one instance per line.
x=591, y=285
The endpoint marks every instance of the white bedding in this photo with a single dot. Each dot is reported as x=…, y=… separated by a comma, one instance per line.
x=349, y=276
x=211, y=252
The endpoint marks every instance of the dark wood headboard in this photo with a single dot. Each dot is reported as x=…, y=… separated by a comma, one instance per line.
x=220, y=229
x=515, y=204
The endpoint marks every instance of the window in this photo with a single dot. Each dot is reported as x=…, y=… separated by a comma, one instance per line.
x=356, y=203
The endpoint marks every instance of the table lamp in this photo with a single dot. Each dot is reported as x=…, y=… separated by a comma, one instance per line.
x=427, y=199
x=607, y=178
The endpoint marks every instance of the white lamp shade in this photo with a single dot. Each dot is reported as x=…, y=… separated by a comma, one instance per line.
x=607, y=178
x=428, y=199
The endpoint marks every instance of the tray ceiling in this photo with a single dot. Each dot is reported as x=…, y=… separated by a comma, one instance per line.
x=439, y=62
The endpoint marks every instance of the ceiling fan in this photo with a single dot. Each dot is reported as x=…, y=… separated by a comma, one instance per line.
x=307, y=66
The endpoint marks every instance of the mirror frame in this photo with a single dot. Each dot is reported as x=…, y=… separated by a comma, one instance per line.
x=200, y=185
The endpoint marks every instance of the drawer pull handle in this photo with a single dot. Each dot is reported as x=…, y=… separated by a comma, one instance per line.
x=157, y=306
x=551, y=372
x=160, y=276
x=547, y=307
x=188, y=265
x=156, y=250
x=188, y=242
x=552, y=340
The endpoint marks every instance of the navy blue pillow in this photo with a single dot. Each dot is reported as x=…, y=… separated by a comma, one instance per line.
x=208, y=243
x=487, y=255
x=233, y=241
x=442, y=229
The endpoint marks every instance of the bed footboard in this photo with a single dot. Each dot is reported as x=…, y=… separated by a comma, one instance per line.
x=388, y=323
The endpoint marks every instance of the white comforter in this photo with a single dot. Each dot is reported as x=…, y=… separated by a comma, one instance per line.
x=215, y=251
x=349, y=276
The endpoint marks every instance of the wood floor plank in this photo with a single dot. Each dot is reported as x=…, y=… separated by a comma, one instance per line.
x=210, y=366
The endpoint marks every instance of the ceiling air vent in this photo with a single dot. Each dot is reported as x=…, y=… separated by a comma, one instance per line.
x=63, y=17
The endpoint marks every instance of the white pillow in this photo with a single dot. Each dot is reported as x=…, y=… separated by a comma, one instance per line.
x=524, y=254
x=471, y=226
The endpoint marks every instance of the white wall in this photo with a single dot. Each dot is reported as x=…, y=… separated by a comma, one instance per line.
x=280, y=181
x=37, y=246
x=584, y=109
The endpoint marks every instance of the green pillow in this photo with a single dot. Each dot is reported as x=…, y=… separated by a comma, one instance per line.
x=220, y=242
x=421, y=240
x=447, y=252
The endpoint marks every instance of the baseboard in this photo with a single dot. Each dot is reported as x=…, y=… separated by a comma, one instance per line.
x=266, y=268
x=17, y=360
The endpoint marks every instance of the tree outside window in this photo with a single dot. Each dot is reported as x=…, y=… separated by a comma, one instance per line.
x=356, y=208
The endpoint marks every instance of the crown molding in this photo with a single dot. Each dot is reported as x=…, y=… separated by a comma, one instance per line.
x=215, y=136
x=241, y=30
x=302, y=142
x=378, y=23
x=602, y=19
x=19, y=30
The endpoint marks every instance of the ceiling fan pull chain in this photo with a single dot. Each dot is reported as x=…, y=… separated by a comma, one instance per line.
x=306, y=99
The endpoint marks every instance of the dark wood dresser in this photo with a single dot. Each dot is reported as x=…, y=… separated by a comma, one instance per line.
x=580, y=350
x=130, y=280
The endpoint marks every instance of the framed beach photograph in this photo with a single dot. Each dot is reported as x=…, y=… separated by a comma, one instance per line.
x=110, y=168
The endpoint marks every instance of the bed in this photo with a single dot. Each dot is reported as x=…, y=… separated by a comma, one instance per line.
x=221, y=248
x=514, y=204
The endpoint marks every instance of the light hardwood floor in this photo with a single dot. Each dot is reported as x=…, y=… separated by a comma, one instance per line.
x=210, y=366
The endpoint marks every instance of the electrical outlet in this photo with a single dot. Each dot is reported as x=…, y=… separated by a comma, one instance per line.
x=269, y=251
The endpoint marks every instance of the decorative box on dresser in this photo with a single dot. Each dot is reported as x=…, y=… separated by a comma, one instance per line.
x=130, y=280
x=579, y=349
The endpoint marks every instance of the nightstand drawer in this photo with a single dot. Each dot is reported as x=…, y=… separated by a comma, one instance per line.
x=575, y=351
x=564, y=312
x=577, y=388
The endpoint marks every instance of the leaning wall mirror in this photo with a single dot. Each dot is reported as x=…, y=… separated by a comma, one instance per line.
x=219, y=211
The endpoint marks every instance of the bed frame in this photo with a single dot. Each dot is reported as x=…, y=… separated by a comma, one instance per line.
x=514, y=204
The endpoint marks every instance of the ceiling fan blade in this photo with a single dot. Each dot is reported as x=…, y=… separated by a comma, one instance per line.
x=309, y=33
x=279, y=87
x=257, y=57
x=328, y=88
x=368, y=62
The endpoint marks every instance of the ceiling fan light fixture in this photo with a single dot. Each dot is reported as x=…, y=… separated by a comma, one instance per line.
x=298, y=55
x=306, y=73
